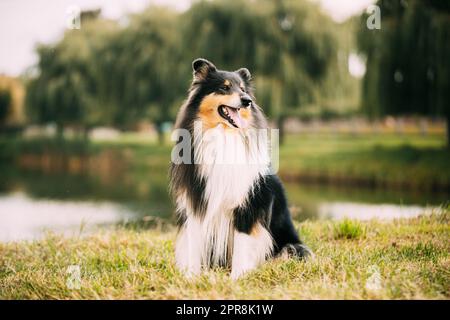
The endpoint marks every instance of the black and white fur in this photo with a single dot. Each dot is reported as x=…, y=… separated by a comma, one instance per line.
x=229, y=215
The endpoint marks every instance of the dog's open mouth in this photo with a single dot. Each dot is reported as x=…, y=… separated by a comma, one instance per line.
x=232, y=115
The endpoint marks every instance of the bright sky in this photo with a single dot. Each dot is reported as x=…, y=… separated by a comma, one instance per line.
x=25, y=23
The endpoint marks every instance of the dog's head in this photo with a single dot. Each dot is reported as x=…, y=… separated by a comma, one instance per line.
x=222, y=97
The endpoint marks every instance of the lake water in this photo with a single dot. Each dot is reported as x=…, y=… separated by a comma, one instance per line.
x=32, y=204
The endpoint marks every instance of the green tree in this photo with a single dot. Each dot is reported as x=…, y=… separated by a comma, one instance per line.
x=106, y=74
x=116, y=74
x=5, y=106
x=145, y=76
x=408, y=60
x=288, y=45
x=65, y=90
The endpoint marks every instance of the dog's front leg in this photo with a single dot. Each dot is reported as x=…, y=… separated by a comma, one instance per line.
x=188, y=250
x=250, y=250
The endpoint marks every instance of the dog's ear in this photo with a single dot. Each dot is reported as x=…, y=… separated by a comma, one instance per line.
x=245, y=74
x=202, y=68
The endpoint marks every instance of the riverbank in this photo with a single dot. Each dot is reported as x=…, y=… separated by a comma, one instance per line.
x=388, y=161
x=401, y=259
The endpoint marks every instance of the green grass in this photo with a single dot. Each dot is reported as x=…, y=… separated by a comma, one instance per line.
x=385, y=160
x=349, y=229
x=409, y=259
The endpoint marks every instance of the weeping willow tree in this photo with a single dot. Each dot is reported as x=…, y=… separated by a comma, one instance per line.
x=408, y=63
x=147, y=79
x=108, y=74
x=118, y=73
x=65, y=91
x=288, y=45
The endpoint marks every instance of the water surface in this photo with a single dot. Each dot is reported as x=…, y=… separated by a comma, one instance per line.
x=32, y=204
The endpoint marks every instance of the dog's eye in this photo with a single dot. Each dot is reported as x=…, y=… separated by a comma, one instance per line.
x=225, y=87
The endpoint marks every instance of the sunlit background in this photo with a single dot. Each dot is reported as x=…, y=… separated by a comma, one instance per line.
x=86, y=113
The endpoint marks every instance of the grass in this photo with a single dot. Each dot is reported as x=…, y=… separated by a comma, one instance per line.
x=384, y=160
x=409, y=259
x=403, y=259
x=349, y=229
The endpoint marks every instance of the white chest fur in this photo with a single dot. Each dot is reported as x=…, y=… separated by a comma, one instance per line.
x=230, y=161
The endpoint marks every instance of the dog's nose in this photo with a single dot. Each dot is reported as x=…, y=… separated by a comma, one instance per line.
x=246, y=101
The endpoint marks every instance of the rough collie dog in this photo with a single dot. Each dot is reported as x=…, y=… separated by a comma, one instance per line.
x=232, y=211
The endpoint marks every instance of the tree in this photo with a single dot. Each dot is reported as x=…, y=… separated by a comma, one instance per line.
x=65, y=90
x=105, y=74
x=147, y=59
x=116, y=74
x=408, y=60
x=5, y=106
x=288, y=45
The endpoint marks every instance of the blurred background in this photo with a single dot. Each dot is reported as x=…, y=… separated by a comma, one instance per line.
x=89, y=91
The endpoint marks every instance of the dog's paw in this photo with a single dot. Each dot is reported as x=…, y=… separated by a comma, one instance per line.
x=296, y=250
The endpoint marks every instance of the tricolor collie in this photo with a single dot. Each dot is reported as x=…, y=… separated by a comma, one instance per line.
x=232, y=212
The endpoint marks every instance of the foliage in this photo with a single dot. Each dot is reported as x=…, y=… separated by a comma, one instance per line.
x=288, y=45
x=66, y=89
x=11, y=103
x=5, y=105
x=118, y=73
x=408, y=59
x=348, y=229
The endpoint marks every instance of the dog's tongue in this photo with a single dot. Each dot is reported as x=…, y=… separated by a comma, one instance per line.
x=238, y=120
